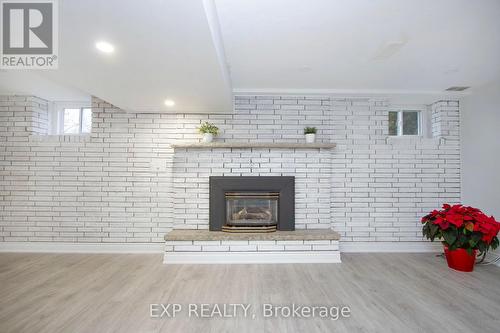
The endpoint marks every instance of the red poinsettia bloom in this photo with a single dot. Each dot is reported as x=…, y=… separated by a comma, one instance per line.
x=467, y=221
x=443, y=224
x=487, y=238
x=489, y=227
x=476, y=227
x=455, y=219
x=434, y=213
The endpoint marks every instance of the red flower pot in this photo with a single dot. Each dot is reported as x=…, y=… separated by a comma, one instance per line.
x=460, y=260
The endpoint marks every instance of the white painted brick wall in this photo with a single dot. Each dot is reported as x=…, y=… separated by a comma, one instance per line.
x=446, y=120
x=382, y=186
x=103, y=188
x=251, y=246
x=97, y=188
x=311, y=168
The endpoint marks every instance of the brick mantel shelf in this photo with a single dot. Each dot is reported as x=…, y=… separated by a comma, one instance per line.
x=232, y=144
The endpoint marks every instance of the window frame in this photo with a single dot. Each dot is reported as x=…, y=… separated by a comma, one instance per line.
x=80, y=122
x=58, y=121
x=421, y=118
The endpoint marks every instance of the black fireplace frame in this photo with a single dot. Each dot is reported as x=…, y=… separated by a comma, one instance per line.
x=284, y=185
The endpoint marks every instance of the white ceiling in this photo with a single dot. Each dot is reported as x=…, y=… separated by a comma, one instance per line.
x=163, y=49
x=199, y=52
x=363, y=45
x=31, y=83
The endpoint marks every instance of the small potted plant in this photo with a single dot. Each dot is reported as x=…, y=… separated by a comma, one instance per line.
x=310, y=133
x=208, y=130
x=463, y=231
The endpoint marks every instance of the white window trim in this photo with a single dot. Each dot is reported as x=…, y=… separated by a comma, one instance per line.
x=57, y=116
x=423, y=118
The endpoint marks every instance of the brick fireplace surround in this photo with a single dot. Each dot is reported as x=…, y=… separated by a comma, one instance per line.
x=125, y=183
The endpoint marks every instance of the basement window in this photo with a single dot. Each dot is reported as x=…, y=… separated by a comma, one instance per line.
x=76, y=120
x=70, y=118
x=405, y=122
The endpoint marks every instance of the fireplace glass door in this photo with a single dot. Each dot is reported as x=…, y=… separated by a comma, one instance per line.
x=251, y=209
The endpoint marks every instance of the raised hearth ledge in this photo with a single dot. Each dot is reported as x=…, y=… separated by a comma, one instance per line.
x=230, y=144
x=206, y=235
x=217, y=247
x=276, y=257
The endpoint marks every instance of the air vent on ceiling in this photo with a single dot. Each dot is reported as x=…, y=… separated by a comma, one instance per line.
x=457, y=88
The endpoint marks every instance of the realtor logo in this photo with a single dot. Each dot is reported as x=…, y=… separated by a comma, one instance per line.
x=29, y=34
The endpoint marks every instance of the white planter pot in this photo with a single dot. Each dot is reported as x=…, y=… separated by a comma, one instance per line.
x=310, y=138
x=207, y=137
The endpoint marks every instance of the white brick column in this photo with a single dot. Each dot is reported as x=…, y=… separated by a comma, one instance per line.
x=446, y=120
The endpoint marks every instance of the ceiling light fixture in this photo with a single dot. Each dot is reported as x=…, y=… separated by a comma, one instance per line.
x=169, y=103
x=457, y=88
x=105, y=47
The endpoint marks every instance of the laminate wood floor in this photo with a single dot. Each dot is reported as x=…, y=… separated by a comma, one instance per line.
x=112, y=293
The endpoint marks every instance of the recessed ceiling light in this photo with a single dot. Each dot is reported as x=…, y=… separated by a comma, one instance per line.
x=169, y=102
x=105, y=47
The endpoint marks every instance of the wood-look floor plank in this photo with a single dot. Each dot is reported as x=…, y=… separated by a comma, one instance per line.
x=112, y=293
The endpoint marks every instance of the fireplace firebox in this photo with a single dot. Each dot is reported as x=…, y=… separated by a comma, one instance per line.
x=252, y=204
x=251, y=209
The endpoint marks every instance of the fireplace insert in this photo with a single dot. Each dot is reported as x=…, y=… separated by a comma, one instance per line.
x=252, y=204
x=251, y=209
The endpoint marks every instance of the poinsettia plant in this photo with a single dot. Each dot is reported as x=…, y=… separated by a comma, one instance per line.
x=462, y=227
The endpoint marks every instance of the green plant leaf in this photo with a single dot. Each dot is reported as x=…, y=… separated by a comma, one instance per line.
x=494, y=243
x=207, y=127
x=474, y=239
x=433, y=230
x=310, y=130
x=426, y=230
x=450, y=235
x=462, y=240
x=482, y=247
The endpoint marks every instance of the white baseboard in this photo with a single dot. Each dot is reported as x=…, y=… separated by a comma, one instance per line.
x=409, y=247
x=54, y=247
x=278, y=257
